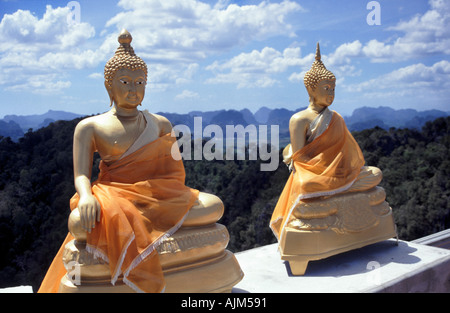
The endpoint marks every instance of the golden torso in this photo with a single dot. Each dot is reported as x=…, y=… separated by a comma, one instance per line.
x=298, y=127
x=320, y=98
x=114, y=135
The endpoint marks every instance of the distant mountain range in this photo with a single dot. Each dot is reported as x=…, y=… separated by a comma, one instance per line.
x=386, y=117
x=362, y=118
x=15, y=126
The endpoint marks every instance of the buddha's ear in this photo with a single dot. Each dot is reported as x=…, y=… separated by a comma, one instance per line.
x=310, y=92
x=109, y=90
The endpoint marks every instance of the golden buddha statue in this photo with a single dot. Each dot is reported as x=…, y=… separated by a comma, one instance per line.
x=137, y=227
x=331, y=202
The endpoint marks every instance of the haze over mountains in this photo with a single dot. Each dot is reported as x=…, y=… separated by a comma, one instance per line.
x=15, y=126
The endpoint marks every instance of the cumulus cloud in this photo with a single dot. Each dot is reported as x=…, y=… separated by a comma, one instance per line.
x=179, y=34
x=344, y=53
x=341, y=60
x=412, y=80
x=424, y=34
x=186, y=94
x=95, y=75
x=44, y=84
x=171, y=35
x=256, y=69
x=23, y=31
x=175, y=36
x=36, y=49
x=190, y=30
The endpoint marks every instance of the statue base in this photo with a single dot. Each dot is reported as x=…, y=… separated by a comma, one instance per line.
x=357, y=220
x=215, y=275
x=193, y=259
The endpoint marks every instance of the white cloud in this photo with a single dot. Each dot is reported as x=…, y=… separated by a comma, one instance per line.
x=340, y=60
x=189, y=30
x=95, y=75
x=46, y=84
x=185, y=76
x=171, y=35
x=412, y=81
x=297, y=77
x=344, y=53
x=257, y=68
x=179, y=34
x=36, y=50
x=186, y=94
x=23, y=31
x=424, y=34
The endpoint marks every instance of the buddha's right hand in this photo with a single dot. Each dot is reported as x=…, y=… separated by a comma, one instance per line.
x=89, y=209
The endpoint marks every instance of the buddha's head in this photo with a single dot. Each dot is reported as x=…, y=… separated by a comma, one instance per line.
x=125, y=75
x=320, y=82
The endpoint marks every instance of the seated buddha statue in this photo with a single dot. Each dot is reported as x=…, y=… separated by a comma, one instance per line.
x=138, y=221
x=331, y=202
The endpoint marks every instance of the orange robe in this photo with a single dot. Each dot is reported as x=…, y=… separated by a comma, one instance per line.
x=326, y=166
x=143, y=200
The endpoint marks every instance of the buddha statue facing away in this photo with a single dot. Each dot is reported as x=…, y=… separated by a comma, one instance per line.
x=331, y=202
x=138, y=227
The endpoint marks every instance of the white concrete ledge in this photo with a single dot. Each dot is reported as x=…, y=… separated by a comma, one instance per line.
x=19, y=289
x=440, y=239
x=381, y=267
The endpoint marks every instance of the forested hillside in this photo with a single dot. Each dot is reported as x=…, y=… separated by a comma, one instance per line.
x=416, y=171
x=36, y=183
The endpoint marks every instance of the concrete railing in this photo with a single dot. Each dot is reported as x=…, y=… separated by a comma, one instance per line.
x=440, y=239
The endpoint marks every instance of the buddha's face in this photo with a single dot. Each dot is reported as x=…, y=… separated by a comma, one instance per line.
x=128, y=88
x=323, y=94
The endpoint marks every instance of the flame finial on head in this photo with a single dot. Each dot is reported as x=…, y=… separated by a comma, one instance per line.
x=318, y=56
x=318, y=72
x=125, y=37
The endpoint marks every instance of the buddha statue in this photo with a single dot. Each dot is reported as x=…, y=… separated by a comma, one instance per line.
x=331, y=202
x=138, y=227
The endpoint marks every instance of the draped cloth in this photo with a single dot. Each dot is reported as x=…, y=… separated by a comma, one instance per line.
x=325, y=166
x=143, y=200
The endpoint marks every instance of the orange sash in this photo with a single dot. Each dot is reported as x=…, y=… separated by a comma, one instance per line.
x=144, y=200
x=326, y=166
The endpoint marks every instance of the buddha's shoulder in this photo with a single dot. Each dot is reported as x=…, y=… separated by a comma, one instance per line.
x=92, y=122
x=158, y=117
x=94, y=119
x=301, y=117
x=164, y=124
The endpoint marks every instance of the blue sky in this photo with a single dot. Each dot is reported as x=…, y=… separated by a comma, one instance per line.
x=211, y=55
